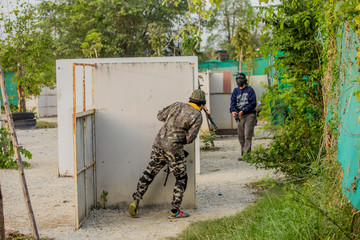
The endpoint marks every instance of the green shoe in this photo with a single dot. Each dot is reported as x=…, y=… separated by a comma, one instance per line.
x=133, y=208
x=179, y=214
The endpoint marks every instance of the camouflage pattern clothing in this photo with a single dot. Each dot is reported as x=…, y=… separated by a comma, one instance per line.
x=182, y=123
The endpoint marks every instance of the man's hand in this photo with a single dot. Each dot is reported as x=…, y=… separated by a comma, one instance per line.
x=240, y=114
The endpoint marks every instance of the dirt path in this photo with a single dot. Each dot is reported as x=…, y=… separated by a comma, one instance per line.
x=221, y=191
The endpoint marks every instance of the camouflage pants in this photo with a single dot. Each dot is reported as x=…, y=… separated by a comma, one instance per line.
x=176, y=164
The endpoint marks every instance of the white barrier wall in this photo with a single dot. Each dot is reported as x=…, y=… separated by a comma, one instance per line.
x=257, y=82
x=204, y=83
x=220, y=104
x=127, y=98
x=45, y=105
x=127, y=95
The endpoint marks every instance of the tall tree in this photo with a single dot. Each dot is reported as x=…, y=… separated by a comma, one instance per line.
x=243, y=43
x=222, y=26
x=121, y=26
x=27, y=50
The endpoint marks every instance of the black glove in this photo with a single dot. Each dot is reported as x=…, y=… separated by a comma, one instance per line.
x=186, y=153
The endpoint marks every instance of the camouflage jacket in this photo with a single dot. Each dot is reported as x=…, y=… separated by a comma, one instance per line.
x=182, y=124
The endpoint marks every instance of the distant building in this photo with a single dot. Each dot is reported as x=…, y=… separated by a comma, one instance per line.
x=221, y=55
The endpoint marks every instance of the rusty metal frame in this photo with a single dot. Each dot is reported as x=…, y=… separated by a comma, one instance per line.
x=82, y=116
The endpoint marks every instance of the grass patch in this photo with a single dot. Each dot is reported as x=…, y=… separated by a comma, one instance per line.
x=286, y=211
x=14, y=235
x=44, y=124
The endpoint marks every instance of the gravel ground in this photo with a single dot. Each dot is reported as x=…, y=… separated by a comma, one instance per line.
x=221, y=191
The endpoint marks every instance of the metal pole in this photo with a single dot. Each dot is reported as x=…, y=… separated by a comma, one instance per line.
x=77, y=226
x=84, y=96
x=18, y=156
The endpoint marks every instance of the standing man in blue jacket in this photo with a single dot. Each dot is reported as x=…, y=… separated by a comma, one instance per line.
x=242, y=108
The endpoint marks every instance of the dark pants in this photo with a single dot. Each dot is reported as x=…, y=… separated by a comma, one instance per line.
x=245, y=131
x=177, y=167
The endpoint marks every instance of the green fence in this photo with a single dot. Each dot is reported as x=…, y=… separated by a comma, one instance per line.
x=349, y=110
x=260, y=65
x=11, y=89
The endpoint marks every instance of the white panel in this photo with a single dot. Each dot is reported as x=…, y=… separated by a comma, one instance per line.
x=128, y=97
x=216, y=82
x=205, y=86
x=257, y=83
x=220, y=105
x=50, y=101
x=64, y=79
x=86, y=184
x=81, y=194
x=88, y=140
x=80, y=154
x=47, y=111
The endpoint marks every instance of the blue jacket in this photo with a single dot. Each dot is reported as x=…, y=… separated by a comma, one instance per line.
x=243, y=100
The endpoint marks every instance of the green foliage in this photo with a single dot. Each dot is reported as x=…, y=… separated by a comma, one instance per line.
x=13, y=108
x=243, y=43
x=207, y=138
x=113, y=28
x=92, y=44
x=27, y=45
x=44, y=124
x=293, y=151
x=224, y=25
x=157, y=38
x=104, y=199
x=7, y=158
x=191, y=32
x=297, y=87
x=285, y=211
x=15, y=235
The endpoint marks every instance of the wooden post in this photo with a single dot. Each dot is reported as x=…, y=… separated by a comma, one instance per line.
x=2, y=222
x=18, y=156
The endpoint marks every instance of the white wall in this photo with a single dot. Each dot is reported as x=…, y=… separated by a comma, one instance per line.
x=65, y=103
x=128, y=97
x=45, y=105
x=216, y=82
x=205, y=86
x=220, y=104
x=257, y=83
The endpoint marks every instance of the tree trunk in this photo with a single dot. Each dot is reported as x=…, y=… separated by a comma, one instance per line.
x=21, y=103
x=241, y=57
x=18, y=156
x=2, y=221
x=199, y=30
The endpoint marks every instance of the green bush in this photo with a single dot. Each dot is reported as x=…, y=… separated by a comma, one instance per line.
x=7, y=158
x=207, y=139
x=293, y=151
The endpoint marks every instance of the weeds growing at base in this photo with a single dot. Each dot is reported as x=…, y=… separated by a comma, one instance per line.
x=285, y=210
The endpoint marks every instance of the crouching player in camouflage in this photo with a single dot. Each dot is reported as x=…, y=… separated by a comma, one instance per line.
x=182, y=123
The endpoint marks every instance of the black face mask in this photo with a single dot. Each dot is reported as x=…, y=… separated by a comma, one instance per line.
x=241, y=82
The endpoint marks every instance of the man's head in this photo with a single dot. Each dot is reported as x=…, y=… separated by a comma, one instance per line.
x=198, y=97
x=241, y=79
